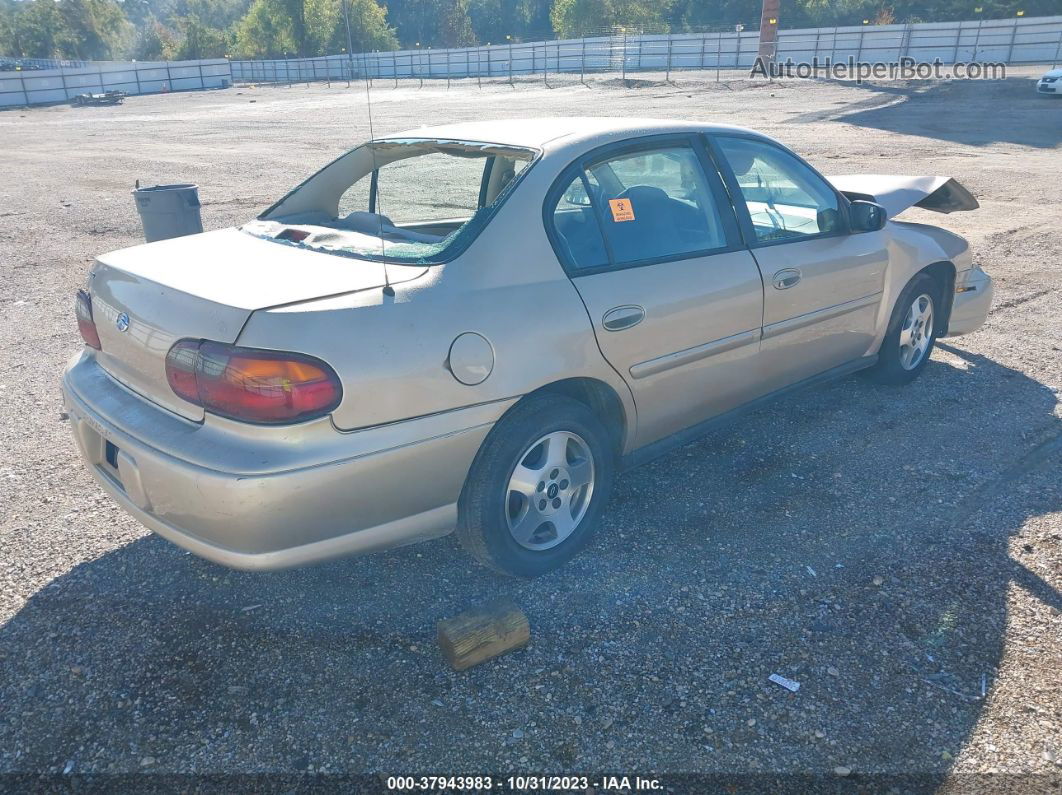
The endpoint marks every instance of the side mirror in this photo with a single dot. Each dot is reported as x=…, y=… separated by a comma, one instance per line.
x=866, y=216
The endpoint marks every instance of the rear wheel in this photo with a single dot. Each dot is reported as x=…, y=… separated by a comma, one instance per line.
x=911, y=334
x=536, y=490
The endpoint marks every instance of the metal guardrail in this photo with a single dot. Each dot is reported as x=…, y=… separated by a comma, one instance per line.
x=1010, y=41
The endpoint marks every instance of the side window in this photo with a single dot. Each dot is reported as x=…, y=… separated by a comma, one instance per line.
x=786, y=200
x=656, y=203
x=577, y=229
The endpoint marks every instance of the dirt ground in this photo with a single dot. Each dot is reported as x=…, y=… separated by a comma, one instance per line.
x=896, y=551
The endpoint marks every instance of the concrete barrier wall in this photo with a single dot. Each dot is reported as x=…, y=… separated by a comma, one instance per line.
x=1012, y=41
x=43, y=86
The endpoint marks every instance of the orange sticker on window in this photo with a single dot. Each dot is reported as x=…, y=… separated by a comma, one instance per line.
x=622, y=210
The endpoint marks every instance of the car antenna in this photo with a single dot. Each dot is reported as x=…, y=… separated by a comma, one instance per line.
x=388, y=290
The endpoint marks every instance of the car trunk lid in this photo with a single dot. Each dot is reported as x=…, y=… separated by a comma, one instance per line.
x=205, y=286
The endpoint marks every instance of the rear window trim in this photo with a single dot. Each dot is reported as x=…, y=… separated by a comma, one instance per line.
x=467, y=234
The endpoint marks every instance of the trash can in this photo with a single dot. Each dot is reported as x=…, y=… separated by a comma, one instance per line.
x=168, y=211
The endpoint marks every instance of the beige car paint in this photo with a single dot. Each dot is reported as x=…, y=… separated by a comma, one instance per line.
x=206, y=286
x=230, y=268
x=829, y=316
x=680, y=349
x=388, y=465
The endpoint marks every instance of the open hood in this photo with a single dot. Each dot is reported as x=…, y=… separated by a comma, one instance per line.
x=896, y=193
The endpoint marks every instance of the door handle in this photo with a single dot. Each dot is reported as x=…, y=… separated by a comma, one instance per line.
x=622, y=317
x=786, y=278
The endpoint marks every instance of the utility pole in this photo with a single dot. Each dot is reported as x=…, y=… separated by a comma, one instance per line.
x=350, y=45
x=769, y=30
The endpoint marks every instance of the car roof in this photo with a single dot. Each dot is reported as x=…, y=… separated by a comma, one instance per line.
x=553, y=132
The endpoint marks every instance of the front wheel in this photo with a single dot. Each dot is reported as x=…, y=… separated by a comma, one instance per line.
x=536, y=490
x=911, y=334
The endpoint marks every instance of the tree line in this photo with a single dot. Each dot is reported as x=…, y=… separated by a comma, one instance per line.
x=191, y=29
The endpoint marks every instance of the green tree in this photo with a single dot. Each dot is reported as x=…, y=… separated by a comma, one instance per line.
x=493, y=20
x=275, y=28
x=93, y=29
x=432, y=23
x=8, y=39
x=368, y=28
x=197, y=40
x=38, y=29
x=324, y=19
x=573, y=18
x=154, y=41
x=68, y=29
x=650, y=16
x=699, y=15
x=535, y=15
x=265, y=32
x=454, y=26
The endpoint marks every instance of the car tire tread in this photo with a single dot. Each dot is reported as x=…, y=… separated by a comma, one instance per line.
x=481, y=527
x=888, y=369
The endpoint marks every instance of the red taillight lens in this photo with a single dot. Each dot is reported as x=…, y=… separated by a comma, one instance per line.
x=252, y=385
x=181, y=363
x=85, y=324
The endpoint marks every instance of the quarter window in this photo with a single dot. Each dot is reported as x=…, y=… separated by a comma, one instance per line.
x=577, y=229
x=786, y=200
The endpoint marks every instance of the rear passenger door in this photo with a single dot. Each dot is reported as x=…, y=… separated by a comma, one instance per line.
x=651, y=244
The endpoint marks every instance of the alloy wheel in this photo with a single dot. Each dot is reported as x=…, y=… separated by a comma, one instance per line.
x=916, y=332
x=549, y=490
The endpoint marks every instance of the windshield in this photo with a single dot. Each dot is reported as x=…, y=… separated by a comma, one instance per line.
x=407, y=200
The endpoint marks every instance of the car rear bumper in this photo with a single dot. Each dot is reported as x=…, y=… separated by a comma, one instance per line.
x=251, y=497
x=970, y=308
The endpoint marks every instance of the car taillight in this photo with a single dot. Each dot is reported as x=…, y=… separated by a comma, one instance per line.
x=252, y=385
x=85, y=324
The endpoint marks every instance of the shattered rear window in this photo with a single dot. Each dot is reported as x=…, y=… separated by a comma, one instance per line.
x=409, y=200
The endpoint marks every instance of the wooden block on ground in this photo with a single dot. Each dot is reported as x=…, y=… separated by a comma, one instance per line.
x=483, y=632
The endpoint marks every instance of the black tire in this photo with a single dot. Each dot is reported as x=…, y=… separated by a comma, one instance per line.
x=486, y=501
x=890, y=368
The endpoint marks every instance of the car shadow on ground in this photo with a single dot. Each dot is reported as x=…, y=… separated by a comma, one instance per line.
x=913, y=108
x=855, y=538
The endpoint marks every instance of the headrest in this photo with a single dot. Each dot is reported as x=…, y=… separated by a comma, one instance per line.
x=739, y=159
x=648, y=194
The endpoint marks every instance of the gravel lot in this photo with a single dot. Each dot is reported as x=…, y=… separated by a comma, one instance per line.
x=896, y=551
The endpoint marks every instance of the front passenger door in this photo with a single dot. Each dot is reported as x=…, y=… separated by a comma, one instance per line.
x=822, y=284
x=651, y=244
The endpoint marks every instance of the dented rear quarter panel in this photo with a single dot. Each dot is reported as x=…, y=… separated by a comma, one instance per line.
x=391, y=352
